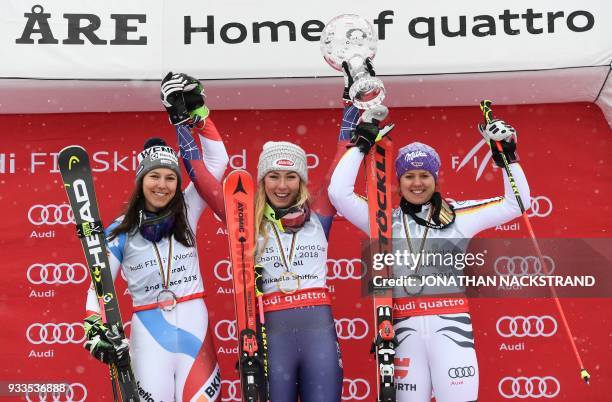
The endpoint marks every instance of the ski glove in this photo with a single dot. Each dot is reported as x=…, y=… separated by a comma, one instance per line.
x=104, y=344
x=498, y=131
x=367, y=132
x=183, y=97
x=348, y=77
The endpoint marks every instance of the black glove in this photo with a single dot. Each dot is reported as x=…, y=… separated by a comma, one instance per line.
x=181, y=95
x=364, y=136
x=348, y=77
x=500, y=132
x=367, y=132
x=103, y=344
x=509, y=149
x=348, y=82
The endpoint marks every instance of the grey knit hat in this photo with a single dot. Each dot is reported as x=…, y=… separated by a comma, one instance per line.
x=157, y=154
x=284, y=156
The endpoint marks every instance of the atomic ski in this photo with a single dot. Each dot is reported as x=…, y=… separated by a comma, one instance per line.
x=238, y=189
x=378, y=173
x=78, y=182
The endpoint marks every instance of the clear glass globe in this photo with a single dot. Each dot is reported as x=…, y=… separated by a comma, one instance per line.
x=345, y=37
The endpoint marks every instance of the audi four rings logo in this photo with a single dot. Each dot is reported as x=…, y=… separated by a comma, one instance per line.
x=356, y=389
x=523, y=265
x=50, y=214
x=347, y=328
x=225, y=330
x=461, y=372
x=56, y=274
x=50, y=333
x=531, y=326
x=230, y=391
x=529, y=387
x=223, y=270
x=75, y=392
x=345, y=268
x=541, y=206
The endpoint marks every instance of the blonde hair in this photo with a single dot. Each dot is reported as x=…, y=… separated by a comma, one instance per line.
x=260, y=206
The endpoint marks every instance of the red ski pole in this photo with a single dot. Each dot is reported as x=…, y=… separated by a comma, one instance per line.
x=485, y=106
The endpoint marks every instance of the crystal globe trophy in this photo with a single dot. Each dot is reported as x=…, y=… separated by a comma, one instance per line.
x=351, y=38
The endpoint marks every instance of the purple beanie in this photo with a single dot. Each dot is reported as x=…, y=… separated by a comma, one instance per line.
x=415, y=156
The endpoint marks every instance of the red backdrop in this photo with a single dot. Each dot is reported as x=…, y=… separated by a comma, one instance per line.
x=564, y=149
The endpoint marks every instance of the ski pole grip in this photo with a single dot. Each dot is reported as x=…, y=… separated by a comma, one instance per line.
x=487, y=112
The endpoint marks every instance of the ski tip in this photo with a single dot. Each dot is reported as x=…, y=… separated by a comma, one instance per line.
x=71, y=147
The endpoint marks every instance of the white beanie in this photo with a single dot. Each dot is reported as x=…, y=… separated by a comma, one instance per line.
x=284, y=156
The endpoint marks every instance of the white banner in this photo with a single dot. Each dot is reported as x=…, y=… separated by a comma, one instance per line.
x=265, y=54
x=235, y=39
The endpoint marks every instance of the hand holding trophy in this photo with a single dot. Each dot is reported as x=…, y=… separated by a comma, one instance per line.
x=350, y=38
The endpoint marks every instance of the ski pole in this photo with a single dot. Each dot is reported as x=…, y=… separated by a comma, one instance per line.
x=485, y=106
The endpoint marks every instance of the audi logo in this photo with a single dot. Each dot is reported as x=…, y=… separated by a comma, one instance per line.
x=531, y=326
x=529, y=387
x=50, y=333
x=225, y=330
x=56, y=274
x=541, y=206
x=347, y=328
x=461, y=372
x=75, y=392
x=345, y=269
x=523, y=265
x=50, y=214
x=356, y=389
x=223, y=270
x=231, y=390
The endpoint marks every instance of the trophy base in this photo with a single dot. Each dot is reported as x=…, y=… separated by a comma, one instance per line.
x=367, y=92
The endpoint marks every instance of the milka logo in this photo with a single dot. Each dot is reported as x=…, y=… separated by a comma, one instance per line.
x=414, y=154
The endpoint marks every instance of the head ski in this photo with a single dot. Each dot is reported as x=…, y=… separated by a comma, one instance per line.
x=78, y=182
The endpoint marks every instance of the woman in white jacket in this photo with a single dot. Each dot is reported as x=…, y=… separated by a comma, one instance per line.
x=436, y=343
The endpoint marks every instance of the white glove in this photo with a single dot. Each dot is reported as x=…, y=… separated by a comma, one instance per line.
x=498, y=130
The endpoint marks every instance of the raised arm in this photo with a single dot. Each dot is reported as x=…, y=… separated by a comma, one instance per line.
x=342, y=184
x=476, y=216
x=322, y=205
x=183, y=97
x=205, y=168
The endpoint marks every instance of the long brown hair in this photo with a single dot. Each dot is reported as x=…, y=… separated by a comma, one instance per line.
x=260, y=205
x=181, y=230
